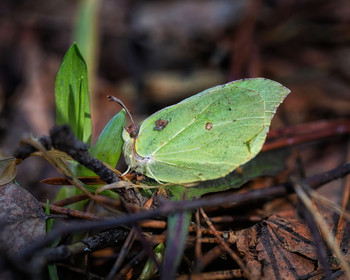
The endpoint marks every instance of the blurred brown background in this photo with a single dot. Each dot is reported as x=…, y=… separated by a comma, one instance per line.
x=151, y=54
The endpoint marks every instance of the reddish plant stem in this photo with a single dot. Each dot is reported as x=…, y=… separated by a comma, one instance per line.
x=71, y=212
x=305, y=133
x=70, y=200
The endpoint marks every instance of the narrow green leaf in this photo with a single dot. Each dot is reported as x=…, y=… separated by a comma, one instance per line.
x=110, y=143
x=150, y=268
x=178, y=225
x=72, y=95
x=86, y=35
x=49, y=222
x=53, y=274
x=52, y=269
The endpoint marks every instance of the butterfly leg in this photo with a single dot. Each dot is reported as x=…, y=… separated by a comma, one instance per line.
x=127, y=171
x=153, y=176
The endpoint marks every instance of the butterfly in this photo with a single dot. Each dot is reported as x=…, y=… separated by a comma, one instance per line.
x=207, y=135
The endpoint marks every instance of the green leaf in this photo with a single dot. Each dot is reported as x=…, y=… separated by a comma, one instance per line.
x=110, y=143
x=49, y=222
x=53, y=274
x=52, y=269
x=150, y=268
x=85, y=34
x=107, y=149
x=178, y=225
x=72, y=95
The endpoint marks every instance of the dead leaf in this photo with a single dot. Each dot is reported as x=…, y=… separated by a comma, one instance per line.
x=9, y=170
x=22, y=219
x=293, y=236
x=280, y=249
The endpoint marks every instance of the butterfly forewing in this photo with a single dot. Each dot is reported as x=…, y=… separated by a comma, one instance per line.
x=206, y=136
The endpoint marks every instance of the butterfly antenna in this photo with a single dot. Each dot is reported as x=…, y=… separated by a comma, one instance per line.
x=113, y=98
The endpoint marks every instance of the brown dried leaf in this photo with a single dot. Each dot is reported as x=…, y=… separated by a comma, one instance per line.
x=22, y=219
x=293, y=236
x=279, y=249
x=9, y=172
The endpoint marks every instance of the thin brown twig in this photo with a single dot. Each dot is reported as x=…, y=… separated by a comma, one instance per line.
x=58, y=165
x=188, y=262
x=80, y=271
x=63, y=139
x=198, y=245
x=93, y=180
x=231, y=219
x=129, y=266
x=127, y=244
x=333, y=127
x=137, y=229
x=122, y=255
x=192, y=228
x=155, y=239
x=147, y=246
x=308, y=133
x=334, y=206
x=112, y=203
x=319, y=244
x=208, y=257
x=219, y=275
x=153, y=224
x=71, y=212
x=329, y=239
x=223, y=244
x=345, y=200
x=190, y=239
x=70, y=200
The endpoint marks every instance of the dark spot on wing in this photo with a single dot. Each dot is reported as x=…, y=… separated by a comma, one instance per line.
x=160, y=125
x=208, y=126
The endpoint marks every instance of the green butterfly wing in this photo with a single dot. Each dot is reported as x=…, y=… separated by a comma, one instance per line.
x=209, y=134
x=273, y=94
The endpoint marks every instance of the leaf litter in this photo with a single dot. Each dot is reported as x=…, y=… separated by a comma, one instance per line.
x=317, y=73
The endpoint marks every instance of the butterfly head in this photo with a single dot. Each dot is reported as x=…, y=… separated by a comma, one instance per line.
x=132, y=130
